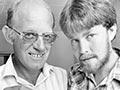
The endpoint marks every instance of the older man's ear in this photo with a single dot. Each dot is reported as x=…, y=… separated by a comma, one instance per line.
x=8, y=34
x=112, y=32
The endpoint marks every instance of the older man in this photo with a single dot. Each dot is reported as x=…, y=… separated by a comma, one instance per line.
x=91, y=26
x=29, y=29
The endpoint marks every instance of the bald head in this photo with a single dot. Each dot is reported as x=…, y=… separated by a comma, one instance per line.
x=29, y=10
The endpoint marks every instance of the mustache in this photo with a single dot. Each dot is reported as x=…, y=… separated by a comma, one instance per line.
x=87, y=56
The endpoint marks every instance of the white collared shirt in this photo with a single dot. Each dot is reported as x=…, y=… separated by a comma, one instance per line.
x=52, y=78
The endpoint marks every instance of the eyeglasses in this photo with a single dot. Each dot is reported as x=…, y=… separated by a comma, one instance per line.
x=30, y=37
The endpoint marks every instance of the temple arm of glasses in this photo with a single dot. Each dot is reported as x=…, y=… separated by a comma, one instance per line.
x=14, y=29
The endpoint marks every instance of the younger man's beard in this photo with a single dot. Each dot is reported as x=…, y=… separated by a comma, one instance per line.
x=104, y=60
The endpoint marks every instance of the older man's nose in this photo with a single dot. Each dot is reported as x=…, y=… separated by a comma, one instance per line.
x=39, y=44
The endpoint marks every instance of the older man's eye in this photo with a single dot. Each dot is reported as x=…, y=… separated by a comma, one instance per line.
x=47, y=37
x=50, y=37
x=30, y=35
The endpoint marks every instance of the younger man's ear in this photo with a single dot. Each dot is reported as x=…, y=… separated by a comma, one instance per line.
x=8, y=34
x=112, y=32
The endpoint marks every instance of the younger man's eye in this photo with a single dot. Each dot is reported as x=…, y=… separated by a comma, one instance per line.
x=90, y=36
x=74, y=41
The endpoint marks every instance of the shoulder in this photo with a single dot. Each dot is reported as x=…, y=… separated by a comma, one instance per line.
x=59, y=70
x=61, y=76
x=54, y=69
x=59, y=73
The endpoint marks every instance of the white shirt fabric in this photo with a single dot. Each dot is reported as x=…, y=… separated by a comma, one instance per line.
x=52, y=78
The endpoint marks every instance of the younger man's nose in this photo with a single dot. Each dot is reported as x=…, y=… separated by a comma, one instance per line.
x=83, y=47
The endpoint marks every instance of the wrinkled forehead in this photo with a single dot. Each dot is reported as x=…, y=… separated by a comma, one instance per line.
x=32, y=11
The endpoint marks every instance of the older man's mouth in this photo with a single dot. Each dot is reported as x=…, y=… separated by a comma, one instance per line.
x=37, y=55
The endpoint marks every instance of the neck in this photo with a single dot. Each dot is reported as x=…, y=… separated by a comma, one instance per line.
x=105, y=70
x=25, y=73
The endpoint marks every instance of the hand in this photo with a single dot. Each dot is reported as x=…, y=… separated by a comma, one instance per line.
x=76, y=76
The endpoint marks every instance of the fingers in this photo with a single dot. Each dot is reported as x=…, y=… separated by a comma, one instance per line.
x=75, y=75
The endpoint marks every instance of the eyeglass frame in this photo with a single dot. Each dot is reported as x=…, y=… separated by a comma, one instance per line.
x=36, y=37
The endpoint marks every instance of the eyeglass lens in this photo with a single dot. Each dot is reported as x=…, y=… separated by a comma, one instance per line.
x=32, y=37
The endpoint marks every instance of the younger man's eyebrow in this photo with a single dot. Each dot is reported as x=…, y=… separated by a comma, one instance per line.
x=87, y=32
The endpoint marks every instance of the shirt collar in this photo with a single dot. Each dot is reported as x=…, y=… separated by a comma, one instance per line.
x=47, y=69
x=9, y=69
x=116, y=74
